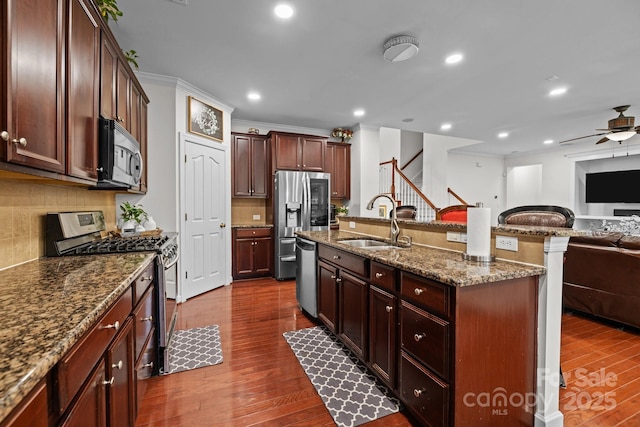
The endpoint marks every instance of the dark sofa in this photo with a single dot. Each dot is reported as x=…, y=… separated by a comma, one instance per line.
x=602, y=276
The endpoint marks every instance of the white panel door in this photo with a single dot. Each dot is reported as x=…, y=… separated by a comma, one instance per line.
x=203, y=249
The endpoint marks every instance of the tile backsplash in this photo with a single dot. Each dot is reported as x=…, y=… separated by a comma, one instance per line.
x=23, y=206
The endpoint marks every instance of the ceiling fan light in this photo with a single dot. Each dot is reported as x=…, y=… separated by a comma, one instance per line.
x=620, y=136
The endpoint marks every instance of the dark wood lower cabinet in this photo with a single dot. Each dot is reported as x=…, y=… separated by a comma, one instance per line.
x=33, y=411
x=252, y=253
x=90, y=408
x=120, y=388
x=382, y=334
x=328, y=295
x=353, y=314
x=442, y=348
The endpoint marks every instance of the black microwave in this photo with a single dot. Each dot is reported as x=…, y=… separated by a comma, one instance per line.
x=120, y=159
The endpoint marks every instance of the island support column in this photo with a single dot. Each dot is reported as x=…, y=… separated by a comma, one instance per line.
x=549, y=328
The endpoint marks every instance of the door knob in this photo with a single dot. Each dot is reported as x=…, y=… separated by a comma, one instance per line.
x=4, y=135
x=21, y=141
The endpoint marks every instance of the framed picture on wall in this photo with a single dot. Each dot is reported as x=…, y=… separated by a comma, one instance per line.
x=204, y=119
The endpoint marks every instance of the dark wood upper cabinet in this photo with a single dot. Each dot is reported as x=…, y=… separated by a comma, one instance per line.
x=83, y=72
x=62, y=68
x=250, y=166
x=33, y=84
x=338, y=164
x=297, y=152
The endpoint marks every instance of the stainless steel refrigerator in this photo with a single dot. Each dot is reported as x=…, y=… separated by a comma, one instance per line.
x=301, y=203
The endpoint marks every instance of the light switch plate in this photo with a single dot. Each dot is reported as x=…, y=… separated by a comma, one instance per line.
x=352, y=224
x=256, y=217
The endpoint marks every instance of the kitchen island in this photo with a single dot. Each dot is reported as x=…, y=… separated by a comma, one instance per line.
x=538, y=252
x=48, y=306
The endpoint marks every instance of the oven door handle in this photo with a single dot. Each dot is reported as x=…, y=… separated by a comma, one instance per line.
x=172, y=263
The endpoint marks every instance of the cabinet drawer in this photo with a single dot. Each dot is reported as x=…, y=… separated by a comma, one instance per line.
x=76, y=365
x=383, y=276
x=244, y=233
x=142, y=282
x=425, y=395
x=426, y=337
x=354, y=263
x=143, y=321
x=427, y=293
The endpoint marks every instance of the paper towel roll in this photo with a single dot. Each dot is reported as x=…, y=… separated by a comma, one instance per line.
x=479, y=232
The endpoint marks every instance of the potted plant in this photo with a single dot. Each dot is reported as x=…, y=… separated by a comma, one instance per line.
x=132, y=217
x=342, y=210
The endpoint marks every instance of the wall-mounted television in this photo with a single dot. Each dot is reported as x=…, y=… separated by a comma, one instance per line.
x=613, y=187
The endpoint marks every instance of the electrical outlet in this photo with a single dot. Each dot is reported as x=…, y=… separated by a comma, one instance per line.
x=256, y=217
x=507, y=243
x=453, y=237
x=463, y=237
x=352, y=224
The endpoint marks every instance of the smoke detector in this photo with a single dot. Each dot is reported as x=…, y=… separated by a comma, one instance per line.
x=400, y=48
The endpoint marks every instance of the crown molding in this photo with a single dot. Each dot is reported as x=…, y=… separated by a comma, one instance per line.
x=243, y=125
x=177, y=83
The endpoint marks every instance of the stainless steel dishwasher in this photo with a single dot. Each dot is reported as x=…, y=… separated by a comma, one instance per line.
x=307, y=276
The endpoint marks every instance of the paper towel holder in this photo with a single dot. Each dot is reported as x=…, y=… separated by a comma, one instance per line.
x=481, y=259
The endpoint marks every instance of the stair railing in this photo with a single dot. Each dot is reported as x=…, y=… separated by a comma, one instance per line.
x=460, y=199
x=393, y=181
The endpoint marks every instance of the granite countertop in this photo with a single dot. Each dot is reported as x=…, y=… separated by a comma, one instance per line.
x=47, y=305
x=443, y=265
x=527, y=230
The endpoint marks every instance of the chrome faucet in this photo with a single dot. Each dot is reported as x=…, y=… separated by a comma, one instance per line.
x=395, y=229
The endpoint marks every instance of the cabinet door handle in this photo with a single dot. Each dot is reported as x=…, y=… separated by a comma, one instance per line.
x=117, y=365
x=418, y=392
x=147, y=365
x=388, y=308
x=338, y=280
x=147, y=279
x=418, y=291
x=109, y=382
x=21, y=141
x=4, y=135
x=379, y=275
x=336, y=257
x=115, y=325
x=418, y=337
x=147, y=319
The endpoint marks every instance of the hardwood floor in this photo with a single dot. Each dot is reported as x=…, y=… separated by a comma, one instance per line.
x=601, y=363
x=261, y=383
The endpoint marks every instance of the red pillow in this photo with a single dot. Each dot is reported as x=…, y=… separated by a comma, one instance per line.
x=455, y=216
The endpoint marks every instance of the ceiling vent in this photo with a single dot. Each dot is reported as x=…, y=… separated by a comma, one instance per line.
x=400, y=48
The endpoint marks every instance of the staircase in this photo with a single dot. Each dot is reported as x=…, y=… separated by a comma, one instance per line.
x=394, y=182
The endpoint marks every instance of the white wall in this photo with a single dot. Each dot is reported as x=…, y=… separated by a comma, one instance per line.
x=477, y=179
x=365, y=160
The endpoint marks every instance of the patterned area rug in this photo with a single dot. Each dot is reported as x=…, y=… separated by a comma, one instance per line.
x=194, y=348
x=352, y=395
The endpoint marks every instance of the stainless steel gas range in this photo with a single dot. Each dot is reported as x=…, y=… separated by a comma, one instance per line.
x=81, y=233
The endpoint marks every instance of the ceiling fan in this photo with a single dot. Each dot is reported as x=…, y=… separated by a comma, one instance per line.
x=620, y=129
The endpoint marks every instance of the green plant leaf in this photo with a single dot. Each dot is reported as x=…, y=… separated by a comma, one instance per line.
x=132, y=57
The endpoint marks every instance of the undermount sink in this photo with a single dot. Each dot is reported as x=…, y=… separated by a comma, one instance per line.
x=368, y=244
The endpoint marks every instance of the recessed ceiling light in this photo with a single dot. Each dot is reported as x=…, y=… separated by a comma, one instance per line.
x=558, y=91
x=283, y=11
x=453, y=59
x=548, y=141
x=503, y=134
x=445, y=126
x=358, y=113
x=254, y=96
